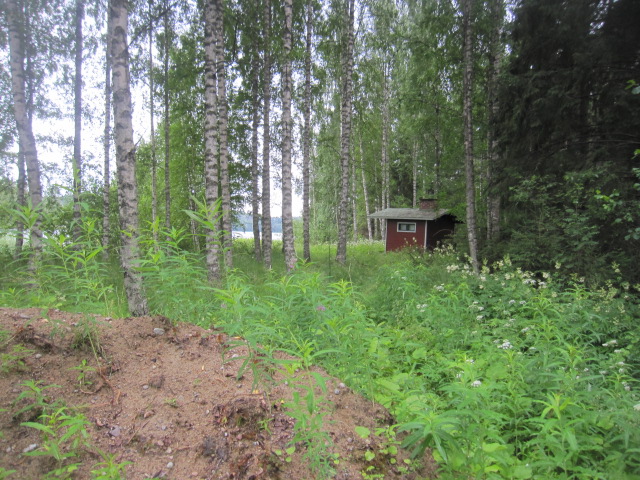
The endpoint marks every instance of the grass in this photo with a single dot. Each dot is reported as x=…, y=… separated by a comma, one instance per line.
x=506, y=374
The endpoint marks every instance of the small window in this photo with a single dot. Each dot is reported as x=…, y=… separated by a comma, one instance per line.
x=406, y=227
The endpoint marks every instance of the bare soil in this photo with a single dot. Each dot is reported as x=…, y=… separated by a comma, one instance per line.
x=172, y=401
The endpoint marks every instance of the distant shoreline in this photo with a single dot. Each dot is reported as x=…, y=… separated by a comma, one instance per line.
x=240, y=234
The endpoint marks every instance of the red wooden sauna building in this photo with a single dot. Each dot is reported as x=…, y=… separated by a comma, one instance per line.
x=423, y=227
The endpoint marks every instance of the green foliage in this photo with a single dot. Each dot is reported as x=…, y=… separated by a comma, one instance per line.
x=82, y=370
x=109, y=469
x=37, y=403
x=568, y=130
x=308, y=408
x=175, y=279
x=13, y=360
x=63, y=434
x=507, y=374
x=86, y=336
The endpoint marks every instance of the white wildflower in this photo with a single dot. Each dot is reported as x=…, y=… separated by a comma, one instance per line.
x=476, y=384
x=636, y=407
x=506, y=345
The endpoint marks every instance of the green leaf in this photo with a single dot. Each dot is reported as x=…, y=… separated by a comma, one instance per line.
x=363, y=432
x=522, y=471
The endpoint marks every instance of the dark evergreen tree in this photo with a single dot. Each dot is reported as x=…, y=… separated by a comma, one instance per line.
x=569, y=127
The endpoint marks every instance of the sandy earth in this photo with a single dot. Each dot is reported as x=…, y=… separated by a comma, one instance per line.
x=170, y=400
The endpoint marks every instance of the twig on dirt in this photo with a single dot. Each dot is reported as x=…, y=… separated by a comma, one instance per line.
x=135, y=432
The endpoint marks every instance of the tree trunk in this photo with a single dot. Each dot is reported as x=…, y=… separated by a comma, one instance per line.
x=414, y=172
x=125, y=157
x=354, y=201
x=21, y=202
x=23, y=122
x=493, y=196
x=266, y=174
x=468, y=132
x=154, y=165
x=306, y=147
x=287, y=209
x=385, y=147
x=345, y=150
x=211, y=143
x=438, y=152
x=365, y=193
x=77, y=113
x=222, y=135
x=167, y=143
x=106, y=187
x=255, y=175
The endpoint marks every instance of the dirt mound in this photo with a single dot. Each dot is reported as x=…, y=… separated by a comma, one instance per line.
x=177, y=402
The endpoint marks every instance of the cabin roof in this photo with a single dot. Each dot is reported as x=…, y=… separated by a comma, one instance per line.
x=409, y=213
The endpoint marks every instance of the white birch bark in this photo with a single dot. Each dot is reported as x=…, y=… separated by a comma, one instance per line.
x=125, y=157
x=287, y=211
x=106, y=180
x=26, y=138
x=255, y=173
x=345, y=147
x=154, y=164
x=306, y=148
x=266, y=170
x=211, y=170
x=223, y=122
x=77, y=114
x=167, y=143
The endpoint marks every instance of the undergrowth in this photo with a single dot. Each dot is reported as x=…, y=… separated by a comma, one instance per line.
x=505, y=374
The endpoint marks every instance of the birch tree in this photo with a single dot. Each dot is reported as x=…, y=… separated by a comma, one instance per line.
x=223, y=122
x=306, y=141
x=266, y=171
x=255, y=174
x=467, y=107
x=345, y=139
x=106, y=180
x=154, y=162
x=77, y=115
x=287, y=212
x=166, y=44
x=125, y=156
x=211, y=170
x=15, y=20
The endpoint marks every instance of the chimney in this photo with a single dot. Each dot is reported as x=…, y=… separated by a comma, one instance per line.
x=428, y=204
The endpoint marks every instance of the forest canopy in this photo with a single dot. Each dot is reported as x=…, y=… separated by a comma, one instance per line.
x=521, y=117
